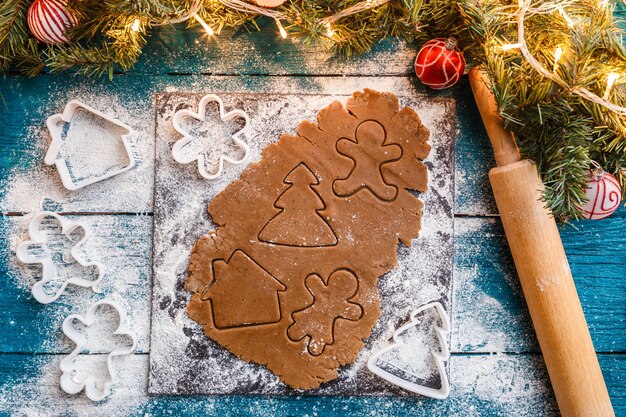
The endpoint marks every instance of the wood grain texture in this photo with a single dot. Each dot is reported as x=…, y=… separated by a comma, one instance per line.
x=542, y=267
x=488, y=299
x=264, y=53
x=489, y=315
x=475, y=392
x=122, y=243
x=503, y=143
x=549, y=290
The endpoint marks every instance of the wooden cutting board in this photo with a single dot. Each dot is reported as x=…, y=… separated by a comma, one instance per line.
x=182, y=359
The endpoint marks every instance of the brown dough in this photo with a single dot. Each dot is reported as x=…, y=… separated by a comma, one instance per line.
x=288, y=279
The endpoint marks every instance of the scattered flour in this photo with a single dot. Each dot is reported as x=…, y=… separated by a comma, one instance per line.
x=123, y=245
x=179, y=350
x=483, y=315
x=514, y=385
x=40, y=394
x=34, y=182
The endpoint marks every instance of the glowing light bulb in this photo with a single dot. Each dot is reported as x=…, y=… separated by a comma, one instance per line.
x=566, y=17
x=204, y=24
x=510, y=46
x=610, y=80
x=558, y=53
x=329, y=30
x=135, y=26
x=281, y=29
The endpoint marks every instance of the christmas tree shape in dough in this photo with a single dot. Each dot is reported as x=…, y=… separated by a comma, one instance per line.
x=299, y=223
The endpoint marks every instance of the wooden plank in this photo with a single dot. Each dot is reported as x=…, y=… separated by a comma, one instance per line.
x=180, y=51
x=489, y=312
x=474, y=158
x=494, y=385
x=24, y=182
x=123, y=243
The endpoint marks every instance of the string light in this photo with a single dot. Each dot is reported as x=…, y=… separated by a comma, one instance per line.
x=246, y=7
x=329, y=30
x=135, y=26
x=525, y=7
x=509, y=46
x=281, y=29
x=610, y=80
x=558, y=52
x=567, y=19
x=204, y=24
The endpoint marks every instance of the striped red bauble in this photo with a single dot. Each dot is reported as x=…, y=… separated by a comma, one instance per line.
x=439, y=63
x=604, y=194
x=49, y=19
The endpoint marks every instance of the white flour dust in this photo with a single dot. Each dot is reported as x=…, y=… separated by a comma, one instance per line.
x=179, y=349
x=129, y=262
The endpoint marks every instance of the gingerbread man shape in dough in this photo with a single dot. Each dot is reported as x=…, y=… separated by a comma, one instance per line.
x=330, y=302
x=369, y=153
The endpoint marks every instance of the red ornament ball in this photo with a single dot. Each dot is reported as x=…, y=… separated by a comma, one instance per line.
x=49, y=19
x=440, y=64
x=604, y=193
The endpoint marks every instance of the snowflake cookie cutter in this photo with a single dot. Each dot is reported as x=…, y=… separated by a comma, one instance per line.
x=440, y=357
x=96, y=390
x=177, y=149
x=32, y=252
x=55, y=125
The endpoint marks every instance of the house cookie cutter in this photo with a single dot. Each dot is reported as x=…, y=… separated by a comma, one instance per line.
x=33, y=252
x=55, y=125
x=96, y=390
x=439, y=357
x=177, y=150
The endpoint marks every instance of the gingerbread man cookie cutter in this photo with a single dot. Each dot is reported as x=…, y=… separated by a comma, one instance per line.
x=95, y=389
x=38, y=251
x=440, y=357
x=179, y=146
x=53, y=156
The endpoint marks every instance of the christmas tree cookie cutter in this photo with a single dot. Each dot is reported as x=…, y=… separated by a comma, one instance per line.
x=96, y=389
x=439, y=357
x=54, y=156
x=178, y=150
x=41, y=250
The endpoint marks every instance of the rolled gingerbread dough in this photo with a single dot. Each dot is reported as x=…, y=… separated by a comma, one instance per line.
x=288, y=278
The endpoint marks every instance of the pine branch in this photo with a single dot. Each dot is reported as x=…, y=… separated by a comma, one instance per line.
x=18, y=50
x=553, y=125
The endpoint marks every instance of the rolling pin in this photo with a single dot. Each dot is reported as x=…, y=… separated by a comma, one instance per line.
x=543, y=270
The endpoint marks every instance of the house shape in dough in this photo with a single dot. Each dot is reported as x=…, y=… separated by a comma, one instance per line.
x=243, y=293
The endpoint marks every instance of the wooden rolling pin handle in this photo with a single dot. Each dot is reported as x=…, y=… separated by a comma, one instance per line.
x=544, y=273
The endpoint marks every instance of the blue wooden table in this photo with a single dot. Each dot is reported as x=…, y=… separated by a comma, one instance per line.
x=496, y=367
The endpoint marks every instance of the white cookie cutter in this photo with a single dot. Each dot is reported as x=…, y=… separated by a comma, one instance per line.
x=55, y=126
x=440, y=357
x=68, y=381
x=49, y=272
x=200, y=115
